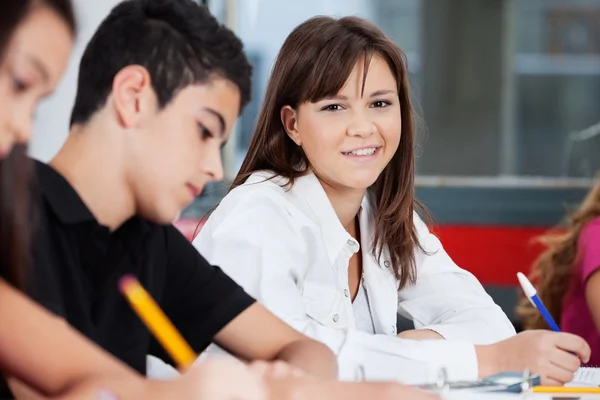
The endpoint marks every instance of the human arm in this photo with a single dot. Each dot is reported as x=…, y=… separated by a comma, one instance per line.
x=420, y=334
x=449, y=300
x=555, y=356
x=46, y=357
x=205, y=303
x=32, y=340
x=543, y=352
x=258, y=334
x=265, y=252
x=298, y=389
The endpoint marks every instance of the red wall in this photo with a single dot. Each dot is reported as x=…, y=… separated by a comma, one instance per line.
x=494, y=254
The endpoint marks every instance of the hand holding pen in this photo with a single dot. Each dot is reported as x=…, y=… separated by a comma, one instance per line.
x=556, y=355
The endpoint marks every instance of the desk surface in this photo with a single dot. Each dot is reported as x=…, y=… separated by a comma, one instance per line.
x=458, y=395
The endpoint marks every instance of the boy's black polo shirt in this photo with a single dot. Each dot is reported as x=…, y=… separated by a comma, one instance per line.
x=77, y=265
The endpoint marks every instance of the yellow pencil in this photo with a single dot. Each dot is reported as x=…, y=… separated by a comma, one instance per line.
x=157, y=322
x=565, y=389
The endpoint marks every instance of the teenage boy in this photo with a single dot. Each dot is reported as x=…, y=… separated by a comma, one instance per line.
x=161, y=84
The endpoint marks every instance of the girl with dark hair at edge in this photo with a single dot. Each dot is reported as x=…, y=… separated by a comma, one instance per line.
x=42, y=357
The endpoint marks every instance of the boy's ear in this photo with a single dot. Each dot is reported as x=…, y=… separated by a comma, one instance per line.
x=133, y=95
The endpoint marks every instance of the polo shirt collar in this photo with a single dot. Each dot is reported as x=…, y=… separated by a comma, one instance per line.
x=61, y=196
x=66, y=203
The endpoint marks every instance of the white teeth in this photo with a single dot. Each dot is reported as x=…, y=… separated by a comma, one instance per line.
x=362, y=152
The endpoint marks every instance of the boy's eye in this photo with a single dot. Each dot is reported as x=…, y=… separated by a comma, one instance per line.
x=332, y=107
x=18, y=85
x=205, y=132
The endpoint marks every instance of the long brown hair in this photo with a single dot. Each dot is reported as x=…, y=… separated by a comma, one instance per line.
x=16, y=171
x=554, y=270
x=315, y=61
x=15, y=214
x=11, y=229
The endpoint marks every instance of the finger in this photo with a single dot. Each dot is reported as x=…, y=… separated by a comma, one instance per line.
x=558, y=374
x=259, y=368
x=545, y=381
x=564, y=360
x=298, y=373
x=87, y=394
x=575, y=344
x=279, y=369
x=294, y=372
x=249, y=387
x=106, y=395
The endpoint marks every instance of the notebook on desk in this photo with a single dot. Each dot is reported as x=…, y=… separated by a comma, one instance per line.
x=586, y=376
x=514, y=382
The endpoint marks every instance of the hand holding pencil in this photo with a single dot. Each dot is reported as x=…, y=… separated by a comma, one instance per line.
x=209, y=380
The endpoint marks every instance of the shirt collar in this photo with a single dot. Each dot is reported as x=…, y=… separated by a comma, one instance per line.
x=334, y=234
x=61, y=196
x=69, y=207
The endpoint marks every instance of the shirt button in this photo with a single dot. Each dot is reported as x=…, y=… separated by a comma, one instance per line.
x=386, y=264
x=393, y=329
x=346, y=293
x=336, y=318
x=350, y=242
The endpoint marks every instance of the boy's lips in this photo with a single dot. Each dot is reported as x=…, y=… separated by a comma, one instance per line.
x=194, y=190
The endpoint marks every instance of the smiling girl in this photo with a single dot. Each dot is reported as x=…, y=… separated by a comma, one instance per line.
x=320, y=224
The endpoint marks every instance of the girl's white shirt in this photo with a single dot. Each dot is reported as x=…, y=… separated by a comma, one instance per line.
x=288, y=249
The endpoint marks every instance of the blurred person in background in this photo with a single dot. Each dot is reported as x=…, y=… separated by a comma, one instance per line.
x=567, y=279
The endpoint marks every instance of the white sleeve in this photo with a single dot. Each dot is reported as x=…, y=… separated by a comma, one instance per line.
x=157, y=369
x=257, y=245
x=450, y=300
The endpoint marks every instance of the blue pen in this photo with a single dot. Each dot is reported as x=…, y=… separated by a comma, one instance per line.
x=531, y=293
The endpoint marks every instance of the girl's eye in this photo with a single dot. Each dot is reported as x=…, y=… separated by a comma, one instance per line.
x=381, y=104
